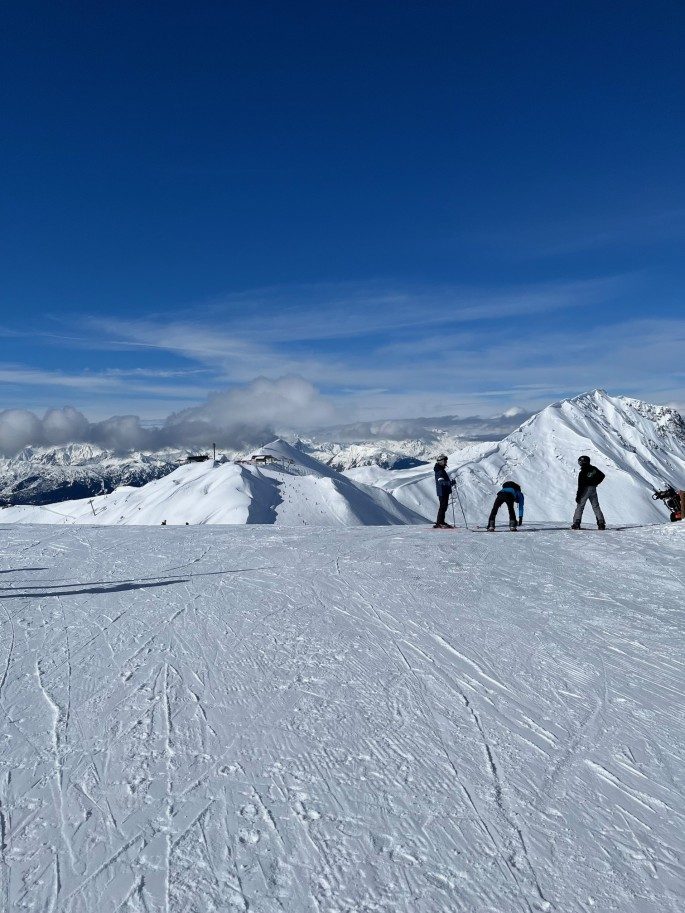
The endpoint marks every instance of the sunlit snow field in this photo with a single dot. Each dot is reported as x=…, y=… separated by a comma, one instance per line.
x=388, y=719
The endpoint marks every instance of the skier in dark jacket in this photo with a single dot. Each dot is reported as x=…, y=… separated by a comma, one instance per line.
x=510, y=493
x=443, y=486
x=589, y=478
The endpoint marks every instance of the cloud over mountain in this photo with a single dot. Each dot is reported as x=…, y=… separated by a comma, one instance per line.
x=240, y=417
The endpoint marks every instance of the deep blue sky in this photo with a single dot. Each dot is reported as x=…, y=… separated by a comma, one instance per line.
x=419, y=207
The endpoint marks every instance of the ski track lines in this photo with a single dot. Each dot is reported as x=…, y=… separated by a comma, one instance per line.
x=353, y=721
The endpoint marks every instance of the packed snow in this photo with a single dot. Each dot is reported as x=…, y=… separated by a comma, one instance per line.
x=389, y=720
x=294, y=490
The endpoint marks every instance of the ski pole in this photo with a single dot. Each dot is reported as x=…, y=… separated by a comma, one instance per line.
x=454, y=518
x=463, y=512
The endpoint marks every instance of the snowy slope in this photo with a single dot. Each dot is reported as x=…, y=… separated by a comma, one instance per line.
x=301, y=492
x=639, y=446
x=382, y=720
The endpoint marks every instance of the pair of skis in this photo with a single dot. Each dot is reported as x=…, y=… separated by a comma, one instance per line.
x=531, y=529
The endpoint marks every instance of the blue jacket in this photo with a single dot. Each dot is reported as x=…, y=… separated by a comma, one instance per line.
x=443, y=483
x=518, y=497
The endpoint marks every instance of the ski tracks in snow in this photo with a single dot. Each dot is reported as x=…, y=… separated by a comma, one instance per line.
x=367, y=720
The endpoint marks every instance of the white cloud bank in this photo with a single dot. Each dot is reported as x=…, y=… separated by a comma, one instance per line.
x=236, y=418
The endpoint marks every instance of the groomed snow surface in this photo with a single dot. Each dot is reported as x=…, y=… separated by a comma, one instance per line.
x=352, y=720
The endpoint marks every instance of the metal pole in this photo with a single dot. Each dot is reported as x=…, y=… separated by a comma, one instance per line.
x=463, y=512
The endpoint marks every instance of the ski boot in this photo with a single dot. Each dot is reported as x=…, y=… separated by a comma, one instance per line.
x=491, y=528
x=513, y=527
x=575, y=526
x=601, y=526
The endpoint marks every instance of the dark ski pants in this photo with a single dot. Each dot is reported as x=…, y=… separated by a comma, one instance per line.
x=590, y=494
x=503, y=498
x=442, y=509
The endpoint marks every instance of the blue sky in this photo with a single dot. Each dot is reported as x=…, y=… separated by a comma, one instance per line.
x=417, y=207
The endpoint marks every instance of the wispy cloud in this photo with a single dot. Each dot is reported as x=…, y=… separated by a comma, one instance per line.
x=107, y=381
x=381, y=352
x=343, y=336
x=248, y=324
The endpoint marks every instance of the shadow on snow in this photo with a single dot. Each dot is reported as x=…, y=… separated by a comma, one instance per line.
x=92, y=590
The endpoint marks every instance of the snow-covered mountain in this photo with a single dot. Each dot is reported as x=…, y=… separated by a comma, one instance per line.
x=387, y=454
x=638, y=445
x=44, y=475
x=295, y=491
x=405, y=444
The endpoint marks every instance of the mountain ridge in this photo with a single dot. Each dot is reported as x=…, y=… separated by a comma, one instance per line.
x=295, y=490
x=639, y=446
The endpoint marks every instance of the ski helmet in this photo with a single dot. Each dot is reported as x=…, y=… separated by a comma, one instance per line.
x=583, y=460
x=441, y=458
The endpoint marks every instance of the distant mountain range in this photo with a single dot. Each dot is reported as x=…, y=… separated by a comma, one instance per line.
x=406, y=443
x=638, y=445
x=293, y=489
x=44, y=475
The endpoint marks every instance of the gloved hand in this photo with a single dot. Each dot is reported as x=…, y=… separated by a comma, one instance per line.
x=520, y=521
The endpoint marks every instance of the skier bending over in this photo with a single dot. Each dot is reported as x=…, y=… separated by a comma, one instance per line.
x=589, y=478
x=510, y=493
x=444, y=486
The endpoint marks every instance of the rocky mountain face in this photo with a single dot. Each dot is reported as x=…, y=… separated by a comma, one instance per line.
x=45, y=475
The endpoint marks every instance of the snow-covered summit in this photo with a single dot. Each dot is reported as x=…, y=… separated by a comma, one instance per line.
x=385, y=454
x=666, y=420
x=295, y=491
x=65, y=455
x=639, y=446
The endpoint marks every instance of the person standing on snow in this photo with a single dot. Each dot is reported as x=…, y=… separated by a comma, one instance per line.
x=510, y=493
x=589, y=478
x=444, y=486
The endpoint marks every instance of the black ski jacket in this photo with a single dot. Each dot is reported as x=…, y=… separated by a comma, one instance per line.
x=589, y=475
x=443, y=483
